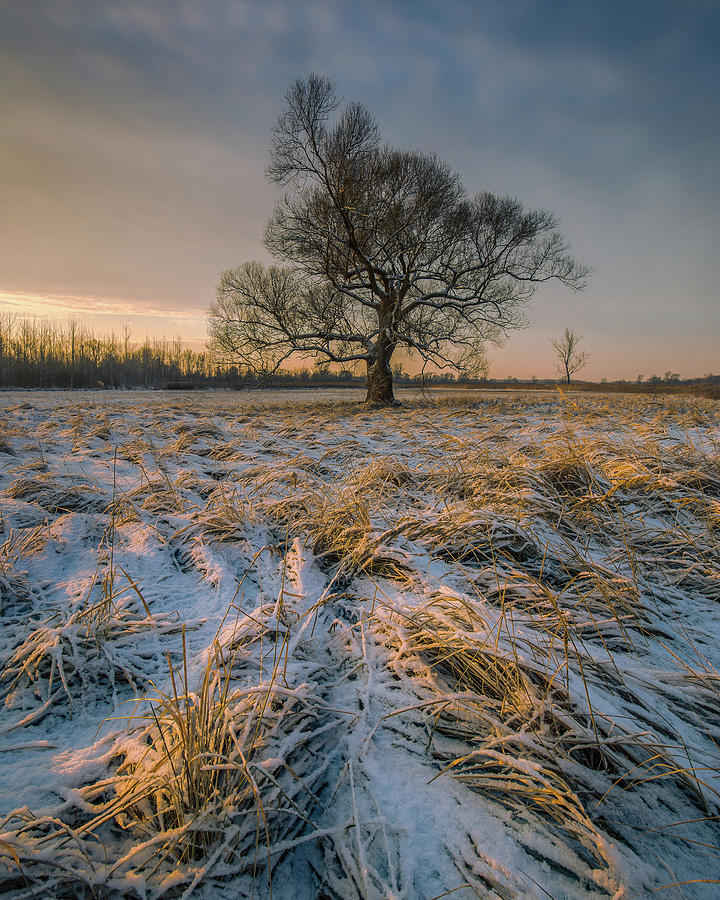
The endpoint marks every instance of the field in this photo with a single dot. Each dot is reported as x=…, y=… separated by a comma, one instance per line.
x=255, y=645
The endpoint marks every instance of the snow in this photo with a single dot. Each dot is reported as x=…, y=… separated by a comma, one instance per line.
x=471, y=645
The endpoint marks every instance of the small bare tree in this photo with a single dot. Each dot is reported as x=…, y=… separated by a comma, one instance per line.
x=570, y=358
x=387, y=252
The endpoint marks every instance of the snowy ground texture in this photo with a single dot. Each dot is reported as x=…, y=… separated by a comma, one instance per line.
x=258, y=646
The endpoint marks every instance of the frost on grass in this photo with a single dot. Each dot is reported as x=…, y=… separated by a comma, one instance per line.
x=466, y=647
x=69, y=657
x=210, y=782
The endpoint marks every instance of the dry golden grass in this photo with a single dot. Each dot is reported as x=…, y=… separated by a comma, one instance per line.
x=195, y=787
x=522, y=582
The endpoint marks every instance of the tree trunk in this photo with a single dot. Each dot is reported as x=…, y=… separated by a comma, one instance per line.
x=379, y=373
x=379, y=383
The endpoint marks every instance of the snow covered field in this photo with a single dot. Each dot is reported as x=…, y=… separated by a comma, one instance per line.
x=258, y=644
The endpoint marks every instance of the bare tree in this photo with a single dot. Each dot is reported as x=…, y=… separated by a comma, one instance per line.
x=387, y=251
x=570, y=358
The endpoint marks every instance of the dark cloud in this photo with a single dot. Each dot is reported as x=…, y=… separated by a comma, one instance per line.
x=135, y=136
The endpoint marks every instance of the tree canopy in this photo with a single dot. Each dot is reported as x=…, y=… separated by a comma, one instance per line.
x=386, y=251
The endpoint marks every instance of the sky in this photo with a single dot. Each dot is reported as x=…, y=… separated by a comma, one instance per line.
x=134, y=137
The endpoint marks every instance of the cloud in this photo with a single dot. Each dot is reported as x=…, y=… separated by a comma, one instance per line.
x=135, y=136
x=104, y=314
x=69, y=304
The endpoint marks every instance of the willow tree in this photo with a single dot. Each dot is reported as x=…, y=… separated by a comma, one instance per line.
x=385, y=251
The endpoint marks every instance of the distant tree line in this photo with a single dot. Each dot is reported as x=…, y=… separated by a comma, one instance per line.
x=36, y=353
x=706, y=386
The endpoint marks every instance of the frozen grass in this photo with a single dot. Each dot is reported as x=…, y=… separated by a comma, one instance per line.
x=205, y=783
x=466, y=647
x=16, y=593
x=71, y=654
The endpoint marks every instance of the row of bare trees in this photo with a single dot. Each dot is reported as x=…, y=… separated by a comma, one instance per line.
x=38, y=353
